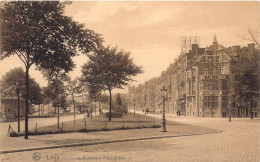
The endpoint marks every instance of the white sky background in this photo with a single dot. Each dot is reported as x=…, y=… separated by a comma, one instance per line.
x=152, y=31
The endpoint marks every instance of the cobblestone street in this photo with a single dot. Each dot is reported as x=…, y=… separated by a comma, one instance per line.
x=239, y=141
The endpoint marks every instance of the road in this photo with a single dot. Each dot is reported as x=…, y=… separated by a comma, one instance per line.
x=239, y=141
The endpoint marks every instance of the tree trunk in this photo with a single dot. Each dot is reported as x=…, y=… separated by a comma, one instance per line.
x=74, y=108
x=91, y=110
x=95, y=108
x=251, y=109
x=110, y=105
x=83, y=98
x=26, y=102
x=58, y=106
x=99, y=110
x=39, y=109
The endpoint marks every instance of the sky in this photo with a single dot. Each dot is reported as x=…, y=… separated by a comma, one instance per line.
x=152, y=30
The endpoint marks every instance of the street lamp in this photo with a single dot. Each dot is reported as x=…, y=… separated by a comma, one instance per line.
x=164, y=93
x=18, y=106
x=134, y=103
x=229, y=110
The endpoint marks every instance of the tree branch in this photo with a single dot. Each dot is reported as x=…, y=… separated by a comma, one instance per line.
x=253, y=37
x=19, y=55
x=22, y=55
x=31, y=62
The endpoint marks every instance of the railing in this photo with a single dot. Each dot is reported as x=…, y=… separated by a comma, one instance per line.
x=9, y=131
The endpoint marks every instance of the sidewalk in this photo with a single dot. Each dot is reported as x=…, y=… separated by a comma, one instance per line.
x=174, y=129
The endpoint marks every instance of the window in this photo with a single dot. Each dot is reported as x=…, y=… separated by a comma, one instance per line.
x=193, y=89
x=210, y=99
x=224, y=101
x=221, y=70
x=224, y=85
x=217, y=58
x=206, y=85
x=207, y=100
x=214, y=85
x=203, y=59
x=193, y=73
x=214, y=101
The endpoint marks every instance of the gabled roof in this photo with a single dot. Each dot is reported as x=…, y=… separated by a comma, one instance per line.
x=219, y=47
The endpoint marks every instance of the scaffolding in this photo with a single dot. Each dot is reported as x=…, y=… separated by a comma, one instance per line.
x=186, y=42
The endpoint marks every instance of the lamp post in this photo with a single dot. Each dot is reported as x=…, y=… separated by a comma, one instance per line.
x=229, y=101
x=229, y=110
x=164, y=91
x=18, y=106
x=134, y=103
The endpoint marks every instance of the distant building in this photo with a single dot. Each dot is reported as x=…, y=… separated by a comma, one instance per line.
x=197, y=83
x=9, y=107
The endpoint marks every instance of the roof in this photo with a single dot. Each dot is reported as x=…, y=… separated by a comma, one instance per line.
x=218, y=47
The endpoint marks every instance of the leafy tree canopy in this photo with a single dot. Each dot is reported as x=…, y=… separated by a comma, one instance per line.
x=245, y=78
x=109, y=68
x=40, y=33
x=55, y=84
x=120, y=105
x=15, y=79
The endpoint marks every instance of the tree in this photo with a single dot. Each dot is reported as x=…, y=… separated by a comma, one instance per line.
x=254, y=36
x=56, y=86
x=108, y=69
x=244, y=80
x=92, y=95
x=103, y=98
x=121, y=105
x=15, y=79
x=62, y=102
x=39, y=33
x=82, y=89
x=72, y=89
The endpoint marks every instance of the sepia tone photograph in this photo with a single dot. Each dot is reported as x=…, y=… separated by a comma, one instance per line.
x=129, y=81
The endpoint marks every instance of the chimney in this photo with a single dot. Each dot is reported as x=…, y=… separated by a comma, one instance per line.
x=235, y=50
x=194, y=49
x=251, y=49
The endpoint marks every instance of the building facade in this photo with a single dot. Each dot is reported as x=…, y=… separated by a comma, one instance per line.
x=9, y=108
x=196, y=83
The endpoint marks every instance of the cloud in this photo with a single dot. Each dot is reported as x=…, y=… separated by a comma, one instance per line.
x=102, y=11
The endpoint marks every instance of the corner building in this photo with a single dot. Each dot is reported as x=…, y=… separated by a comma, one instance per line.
x=196, y=83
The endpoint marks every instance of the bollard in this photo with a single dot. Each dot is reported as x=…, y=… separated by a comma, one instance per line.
x=36, y=127
x=85, y=125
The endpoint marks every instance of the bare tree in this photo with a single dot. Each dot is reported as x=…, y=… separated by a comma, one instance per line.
x=254, y=36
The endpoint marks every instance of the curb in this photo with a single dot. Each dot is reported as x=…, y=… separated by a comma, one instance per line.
x=100, y=142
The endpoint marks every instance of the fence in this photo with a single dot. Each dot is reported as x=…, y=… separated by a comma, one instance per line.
x=100, y=123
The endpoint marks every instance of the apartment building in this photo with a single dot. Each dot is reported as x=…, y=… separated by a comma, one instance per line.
x=196, y=83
